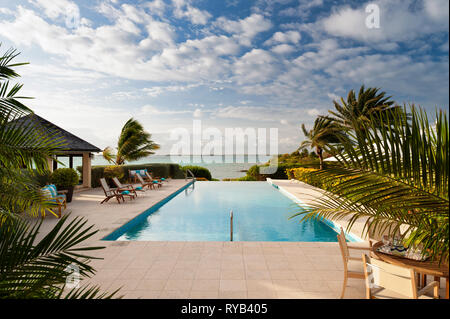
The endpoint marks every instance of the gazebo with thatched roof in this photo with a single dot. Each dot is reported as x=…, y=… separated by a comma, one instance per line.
x=73, y=145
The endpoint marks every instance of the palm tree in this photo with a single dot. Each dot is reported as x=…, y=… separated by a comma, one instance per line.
x=396, y=176
x=357, y=110
x=134, y=143
x=28, y=268
x=324, y=132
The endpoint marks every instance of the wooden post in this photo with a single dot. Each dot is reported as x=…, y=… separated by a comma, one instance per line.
x=71, y=161
x=50, y=164
x=55, y=163
x=231, y=226
x=87, y=170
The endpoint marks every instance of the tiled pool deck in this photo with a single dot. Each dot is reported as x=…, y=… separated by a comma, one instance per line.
x=207, y=269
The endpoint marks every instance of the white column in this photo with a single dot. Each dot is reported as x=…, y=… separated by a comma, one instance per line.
x=86, y=170
x=50, y=163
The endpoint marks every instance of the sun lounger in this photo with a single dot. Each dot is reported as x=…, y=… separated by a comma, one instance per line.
x=127, y=187
x=144, y=183
x=113, y=193
x=154, y=181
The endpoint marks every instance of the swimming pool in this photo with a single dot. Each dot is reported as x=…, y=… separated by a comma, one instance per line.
x=201, y=212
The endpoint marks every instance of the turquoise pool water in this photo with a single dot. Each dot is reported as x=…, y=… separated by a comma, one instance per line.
x=201, y=212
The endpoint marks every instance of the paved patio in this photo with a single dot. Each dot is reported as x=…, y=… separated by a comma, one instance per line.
x=207, y=269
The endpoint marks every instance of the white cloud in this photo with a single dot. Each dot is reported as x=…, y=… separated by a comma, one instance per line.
x=283, y=49
x=399, y=21
x=255, y=66
x=284, y=37
x=54, y=9
x=183, y=9
x=245, y=29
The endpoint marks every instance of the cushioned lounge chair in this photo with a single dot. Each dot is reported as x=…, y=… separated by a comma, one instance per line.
x=151, y=180
x=144, y=183
x=128, y=187
x=113, y=193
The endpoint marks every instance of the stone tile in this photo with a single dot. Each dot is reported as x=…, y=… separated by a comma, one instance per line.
x=282, y=274
x=132, y=273
x=285, y=284
x=157, y=273
x=182, y=273
x=232, y=274
x=151, y=285
x=257, y=274
x=233, y=295
x=232, y=285
x=174, y=294
x=314, y=286
x=178, y=284
x=205, y=285
x=260, y=285
x=262, y=294
x=204, y=294
x=208, y=273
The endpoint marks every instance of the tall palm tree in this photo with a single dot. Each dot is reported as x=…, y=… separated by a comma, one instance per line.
x=355, y=111
x=31, y=268
x=134, y=143
x=325, y=131
x=396, y=176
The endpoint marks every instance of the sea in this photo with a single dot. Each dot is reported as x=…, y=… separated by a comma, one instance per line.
x=224, y=166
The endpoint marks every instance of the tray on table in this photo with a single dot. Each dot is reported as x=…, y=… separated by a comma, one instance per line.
x=408, y=254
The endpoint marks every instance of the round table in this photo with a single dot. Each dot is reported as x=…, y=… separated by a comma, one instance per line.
x=431, y=268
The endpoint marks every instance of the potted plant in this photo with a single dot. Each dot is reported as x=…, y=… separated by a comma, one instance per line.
x=65, y=179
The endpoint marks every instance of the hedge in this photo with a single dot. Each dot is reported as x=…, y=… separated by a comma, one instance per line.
x=304, y=175
x=166, y=170
x=254, y=171
x=199, y=171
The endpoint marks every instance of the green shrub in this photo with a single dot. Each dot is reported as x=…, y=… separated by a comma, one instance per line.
x=253, y=172
x=65, y=177
x=280, y=173
x=114, y=171
x=199, y=171
x=166, y=170
x=247, y=179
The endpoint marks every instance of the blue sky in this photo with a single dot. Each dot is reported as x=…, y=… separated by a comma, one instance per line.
x=230, y=63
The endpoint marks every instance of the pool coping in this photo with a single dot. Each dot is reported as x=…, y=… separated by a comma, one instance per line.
x=335, y=226
x=119, y=231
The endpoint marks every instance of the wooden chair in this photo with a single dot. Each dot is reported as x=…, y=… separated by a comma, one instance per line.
x=143, y=183
x=154, y=181
x=113, y=193
x=127, y=187
x=54, y=198
x=387, y=281
x=353, y=267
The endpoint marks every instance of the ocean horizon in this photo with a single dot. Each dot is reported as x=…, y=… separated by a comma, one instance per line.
x=220, y=166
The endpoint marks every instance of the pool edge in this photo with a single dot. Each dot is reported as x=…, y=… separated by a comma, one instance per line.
x=115, y=234
x=336, y=227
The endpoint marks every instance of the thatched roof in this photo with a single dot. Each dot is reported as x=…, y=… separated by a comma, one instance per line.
x=72, y=142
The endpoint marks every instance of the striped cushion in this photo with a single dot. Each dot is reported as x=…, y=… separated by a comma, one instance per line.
x=53, y=190
x=46, y=192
